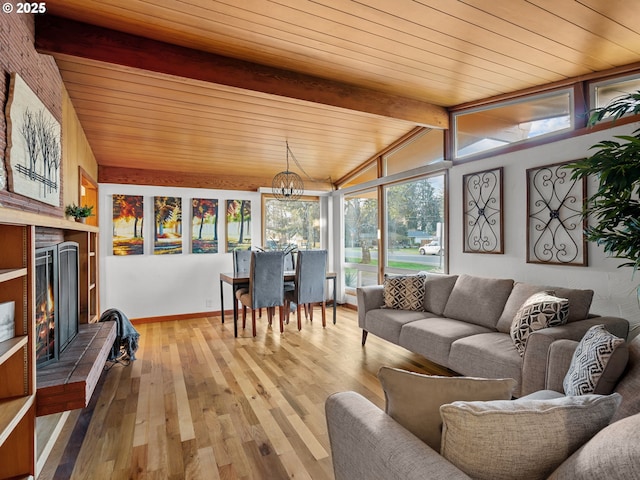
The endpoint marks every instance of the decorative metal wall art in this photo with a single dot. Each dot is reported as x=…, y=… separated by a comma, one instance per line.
x=555, y=225
x=482, y=212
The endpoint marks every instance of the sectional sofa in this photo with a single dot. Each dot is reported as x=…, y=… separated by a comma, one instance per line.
x=464, y=322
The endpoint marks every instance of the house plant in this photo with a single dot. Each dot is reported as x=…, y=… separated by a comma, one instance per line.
x=615, y=206
x=80, y=213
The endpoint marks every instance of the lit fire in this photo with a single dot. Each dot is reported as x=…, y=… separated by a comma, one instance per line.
x=45, y=326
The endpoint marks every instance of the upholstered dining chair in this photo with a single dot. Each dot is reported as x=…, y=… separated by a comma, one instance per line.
x=266, y=287
x=311, y=267
x=242, y=264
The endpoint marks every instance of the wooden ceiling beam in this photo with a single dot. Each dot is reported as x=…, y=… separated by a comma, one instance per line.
x=61, y=36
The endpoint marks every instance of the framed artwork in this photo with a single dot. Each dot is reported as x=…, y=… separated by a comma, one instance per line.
x=555, y=224
x=483, y=227
x=128, y=220
x=167, y=232
x=238, y=224
x=33, y=145
x=204, y=225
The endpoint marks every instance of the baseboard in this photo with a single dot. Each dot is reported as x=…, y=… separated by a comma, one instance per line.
x=182, y=316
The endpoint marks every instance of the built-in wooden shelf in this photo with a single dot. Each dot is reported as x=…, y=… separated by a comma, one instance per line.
x=8, y=274
x=69, y=383
x=12, y=413
x=11, y=346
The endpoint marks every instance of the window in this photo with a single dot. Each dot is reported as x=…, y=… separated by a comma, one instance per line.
x=367, y=174
x=361, y=239
x=415, y=225
x=291, y=223
x=487, y=128
x=423, y=149
x=602, y=93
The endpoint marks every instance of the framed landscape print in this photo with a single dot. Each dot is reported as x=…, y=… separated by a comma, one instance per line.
x=482, y=212
x=128, y=220
x=555, y=225
x=167, y=232
x=204, y=225
x=238, y=224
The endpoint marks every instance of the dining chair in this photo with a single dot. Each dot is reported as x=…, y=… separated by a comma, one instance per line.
x=266, y=287
x=242, y=264
x=311, y=267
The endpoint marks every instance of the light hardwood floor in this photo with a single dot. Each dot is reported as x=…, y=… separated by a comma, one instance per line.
x=199, y=404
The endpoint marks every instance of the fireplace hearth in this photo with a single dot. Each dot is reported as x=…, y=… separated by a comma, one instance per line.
x=57, y=300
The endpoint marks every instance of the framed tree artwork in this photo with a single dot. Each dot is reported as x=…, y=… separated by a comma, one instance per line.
x=238, y=224
x=128, y=220
x=555, y=224
x=33, y=145
x=167, y=232
x=204, y=225
x=483, y=227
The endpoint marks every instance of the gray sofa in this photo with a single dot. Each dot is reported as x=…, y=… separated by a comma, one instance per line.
x=465, y=323
x=366, y=443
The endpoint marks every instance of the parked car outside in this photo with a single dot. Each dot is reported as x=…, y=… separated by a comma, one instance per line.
x=432, y=248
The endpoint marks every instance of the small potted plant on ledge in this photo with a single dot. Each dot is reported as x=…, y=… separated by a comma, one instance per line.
x=80, y=213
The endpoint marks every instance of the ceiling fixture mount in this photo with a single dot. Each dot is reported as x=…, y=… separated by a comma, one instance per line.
x=287, y=185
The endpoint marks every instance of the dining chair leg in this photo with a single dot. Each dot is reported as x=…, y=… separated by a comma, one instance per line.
x=311, y=312
x=244, y=316
x=281, y=316
x=299, y=314
x=253, y=321
x=324, y=313
x=306, y=311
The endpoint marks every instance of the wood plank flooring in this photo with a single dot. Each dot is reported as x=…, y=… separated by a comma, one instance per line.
x=199, y=404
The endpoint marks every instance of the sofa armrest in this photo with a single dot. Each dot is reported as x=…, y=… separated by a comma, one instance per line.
x=534, y=362
x=369, y=298
x=368, y=444
x=558, y=363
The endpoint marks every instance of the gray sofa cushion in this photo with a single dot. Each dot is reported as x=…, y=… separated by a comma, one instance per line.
x=579, y=302
x=503, y=439
x=432, y=338
x=386, y=323
x=488, y=355
x=437, y=290
x=414, y=400
x=612, y=454
x=478, y=300
x=629, y=385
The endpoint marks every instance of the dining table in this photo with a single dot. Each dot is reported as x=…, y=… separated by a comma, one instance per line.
x=241, y=279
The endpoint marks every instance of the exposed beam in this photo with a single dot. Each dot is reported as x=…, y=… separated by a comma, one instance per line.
x=56, y=35
x=138, y=176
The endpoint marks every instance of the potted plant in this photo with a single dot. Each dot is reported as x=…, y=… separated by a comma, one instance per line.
x=615, y=206
x=80, y=213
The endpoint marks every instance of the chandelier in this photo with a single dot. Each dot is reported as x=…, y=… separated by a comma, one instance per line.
x=287, y=185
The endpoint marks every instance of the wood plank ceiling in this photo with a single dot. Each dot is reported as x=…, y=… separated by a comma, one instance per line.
x=333, y=68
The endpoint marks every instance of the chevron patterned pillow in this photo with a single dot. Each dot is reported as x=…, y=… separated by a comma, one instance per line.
x=597, y=363
x=404, y=292
x=540, y=310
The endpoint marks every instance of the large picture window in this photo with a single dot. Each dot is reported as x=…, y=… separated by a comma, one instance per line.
x=415, y=219
x=361, y=239
x=295, y=223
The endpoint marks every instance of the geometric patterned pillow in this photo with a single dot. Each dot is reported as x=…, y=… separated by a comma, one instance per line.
x=597, y=363
x=404, y=292
x=540, y=310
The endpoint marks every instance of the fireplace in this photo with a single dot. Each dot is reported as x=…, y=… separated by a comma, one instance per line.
x=57, y=299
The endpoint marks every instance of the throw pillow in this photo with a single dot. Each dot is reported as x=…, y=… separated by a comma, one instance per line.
x=597, y=363
x=404, y=292
x=540, y=310
x=503, y=440
x=413, y=400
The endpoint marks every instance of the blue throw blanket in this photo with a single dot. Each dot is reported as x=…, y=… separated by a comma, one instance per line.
x=126, y=335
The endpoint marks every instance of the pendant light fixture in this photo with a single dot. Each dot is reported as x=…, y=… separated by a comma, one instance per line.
x=287, y=185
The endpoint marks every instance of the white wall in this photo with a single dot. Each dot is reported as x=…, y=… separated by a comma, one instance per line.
x=159, y=285
x=614, y=287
